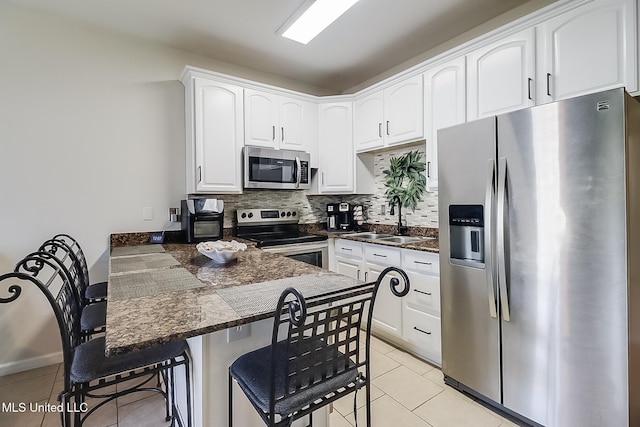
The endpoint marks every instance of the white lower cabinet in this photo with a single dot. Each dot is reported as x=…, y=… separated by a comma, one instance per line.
x=387, y=313
x=421, y=308
x=412, y=322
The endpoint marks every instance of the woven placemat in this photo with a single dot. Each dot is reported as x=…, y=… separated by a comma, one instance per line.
x=153, y=282
x=141, y=262
x=136, y=250
x=263, y=297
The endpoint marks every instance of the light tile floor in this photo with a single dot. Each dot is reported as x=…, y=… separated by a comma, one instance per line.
x=405, y=391
x=408, y=392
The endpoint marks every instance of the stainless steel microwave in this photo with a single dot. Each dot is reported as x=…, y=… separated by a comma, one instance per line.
x=276, y=169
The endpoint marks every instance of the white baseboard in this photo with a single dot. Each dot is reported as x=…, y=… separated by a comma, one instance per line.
x=31, y=363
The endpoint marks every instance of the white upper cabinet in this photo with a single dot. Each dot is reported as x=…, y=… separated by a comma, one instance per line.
x=391, y=116
x=403, y=111
x=586, y=50
x=335, y=148
x=368, y=117
x=214, y=136
x=280, y=122
x=444, y=105
x=501, y=76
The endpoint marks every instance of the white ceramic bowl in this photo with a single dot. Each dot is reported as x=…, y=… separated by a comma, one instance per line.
x=220, y=251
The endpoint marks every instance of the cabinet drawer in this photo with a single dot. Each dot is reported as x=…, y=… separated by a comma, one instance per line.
x=382, y=255
x=422, y=330
x=348, y=248
x=421, y=262
x=424, y=293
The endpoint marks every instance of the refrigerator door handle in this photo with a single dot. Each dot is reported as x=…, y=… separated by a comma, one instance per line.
x=500, y=233
x=488, y=209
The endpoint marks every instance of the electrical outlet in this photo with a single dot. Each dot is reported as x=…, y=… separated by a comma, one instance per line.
x=383, y=209
x=237, y=333
x=147, y=214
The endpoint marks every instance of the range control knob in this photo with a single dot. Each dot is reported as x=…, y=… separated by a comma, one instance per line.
x=282, y=214
x=244, y=215
x=294, y=213
x=250, y=214
x=288, y=213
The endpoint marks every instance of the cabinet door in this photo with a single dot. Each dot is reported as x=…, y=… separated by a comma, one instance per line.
x=403, y=111
x=348, y=267
x=335, y=148
x=444, y=95
x=299, y=126
x=500, y=76
x=586, y=50
x=387, y=311
x=218, y=137
x=261, y=119
x=368, y=122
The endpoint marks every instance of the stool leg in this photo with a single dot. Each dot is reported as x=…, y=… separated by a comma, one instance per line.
x=188, y=387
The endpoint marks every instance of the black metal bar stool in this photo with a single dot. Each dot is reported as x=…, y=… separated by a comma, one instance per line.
x=319, y=361
x=93, y=313
x=87, y=371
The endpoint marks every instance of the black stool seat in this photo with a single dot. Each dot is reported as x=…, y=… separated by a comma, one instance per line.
x=252, y=371
x=96, y=291
x=89, y=361
x=94, y=317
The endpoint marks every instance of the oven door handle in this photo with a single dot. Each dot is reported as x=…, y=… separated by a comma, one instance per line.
x=298, y=172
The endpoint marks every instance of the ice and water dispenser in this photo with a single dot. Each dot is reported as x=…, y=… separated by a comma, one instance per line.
x=466, y=235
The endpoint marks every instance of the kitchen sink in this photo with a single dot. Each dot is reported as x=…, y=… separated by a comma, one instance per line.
x=370, y=236
x=405, y=239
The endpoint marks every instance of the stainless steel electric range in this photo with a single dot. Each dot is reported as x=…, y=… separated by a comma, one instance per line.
x=278, y=231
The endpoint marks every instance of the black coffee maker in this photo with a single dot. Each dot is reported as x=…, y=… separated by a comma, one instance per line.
x=339, y=217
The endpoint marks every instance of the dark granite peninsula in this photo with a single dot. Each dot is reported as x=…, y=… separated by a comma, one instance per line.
x=159, y=293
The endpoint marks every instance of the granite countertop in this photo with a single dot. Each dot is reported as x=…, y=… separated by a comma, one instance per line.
x=161, y=293
x=425, y=245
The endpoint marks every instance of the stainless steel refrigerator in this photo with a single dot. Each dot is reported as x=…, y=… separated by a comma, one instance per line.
x=540, y=260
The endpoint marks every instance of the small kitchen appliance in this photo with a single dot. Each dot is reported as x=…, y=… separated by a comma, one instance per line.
x=278, y=231
x=333, y=217
x=202, y=219
x=267, y=168
x=344, y=217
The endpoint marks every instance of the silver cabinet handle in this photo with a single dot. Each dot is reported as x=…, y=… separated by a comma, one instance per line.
x=422, y=292
x=273, y=129
x=381, y=256
x=548, y=84
x=380, y=129
x=346, y=249
x=529, y=80
x=282, y=133
x=422, y=262
x=388, y=128
x=488, y=237
x=428, y=169
x=199, y=173
x=365, y=275
x=501, y=235
x=420, y=330
x=358, y=274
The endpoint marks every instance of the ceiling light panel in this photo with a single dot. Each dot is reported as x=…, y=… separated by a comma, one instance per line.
x=316, y=18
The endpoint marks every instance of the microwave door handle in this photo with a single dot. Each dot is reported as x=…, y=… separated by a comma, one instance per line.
x=298, y=172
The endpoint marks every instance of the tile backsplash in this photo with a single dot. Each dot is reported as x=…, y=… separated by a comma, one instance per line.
x=312, y=208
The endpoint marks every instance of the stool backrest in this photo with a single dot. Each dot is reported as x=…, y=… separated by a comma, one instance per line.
x=68, y=256
x=52, y=278
x=78, y=255
x=324, y=335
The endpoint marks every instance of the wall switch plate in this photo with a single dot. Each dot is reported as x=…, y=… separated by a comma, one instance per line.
x=147, y=214
x=237, y=333
x=383, y=209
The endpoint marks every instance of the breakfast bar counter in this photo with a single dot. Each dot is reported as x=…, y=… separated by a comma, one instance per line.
x=160, y=293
